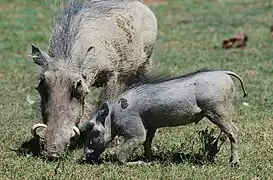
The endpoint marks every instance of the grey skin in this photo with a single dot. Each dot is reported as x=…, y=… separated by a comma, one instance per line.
x=105, y=43
x=137, y=113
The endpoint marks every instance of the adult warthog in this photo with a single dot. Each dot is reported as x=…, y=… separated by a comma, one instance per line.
x=138, y=112
x=106, y=43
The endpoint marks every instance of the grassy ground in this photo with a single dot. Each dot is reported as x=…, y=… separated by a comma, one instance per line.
x=189, y=37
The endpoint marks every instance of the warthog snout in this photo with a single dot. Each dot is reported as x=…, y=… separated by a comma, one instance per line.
x=53, y=145
x=52, y=156
x=88, y=155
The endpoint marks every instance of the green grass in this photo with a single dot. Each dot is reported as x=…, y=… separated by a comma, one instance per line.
x=189, y=37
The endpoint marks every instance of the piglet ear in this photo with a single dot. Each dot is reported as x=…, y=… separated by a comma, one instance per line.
x=104, y=110
x=90, y=125
x=103, y=113
x=39, y=57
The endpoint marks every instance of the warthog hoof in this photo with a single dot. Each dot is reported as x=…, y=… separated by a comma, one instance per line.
x=234, y=163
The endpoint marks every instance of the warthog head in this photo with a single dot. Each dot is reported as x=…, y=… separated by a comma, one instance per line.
x=95, y=142
x=62, y=89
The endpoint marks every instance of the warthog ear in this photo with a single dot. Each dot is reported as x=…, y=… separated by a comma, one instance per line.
x=39, y=57
x=90, y=125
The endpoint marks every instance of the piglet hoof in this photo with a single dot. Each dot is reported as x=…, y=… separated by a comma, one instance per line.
x=85, y=161
x=234, y=164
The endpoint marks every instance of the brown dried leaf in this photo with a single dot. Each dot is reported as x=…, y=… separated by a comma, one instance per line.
x=238, y=41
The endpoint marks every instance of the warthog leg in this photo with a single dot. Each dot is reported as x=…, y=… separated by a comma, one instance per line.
x=129, y=147
x=135, y=135
x=222, y=117
x=147, y=145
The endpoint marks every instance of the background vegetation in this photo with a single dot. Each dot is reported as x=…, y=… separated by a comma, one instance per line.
x=189, y=37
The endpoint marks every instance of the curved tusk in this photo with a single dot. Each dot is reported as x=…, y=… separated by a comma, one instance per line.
x=35, y=126
x=76, y=130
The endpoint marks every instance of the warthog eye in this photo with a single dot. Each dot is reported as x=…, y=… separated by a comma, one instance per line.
x=80, y=89
x=42, y=140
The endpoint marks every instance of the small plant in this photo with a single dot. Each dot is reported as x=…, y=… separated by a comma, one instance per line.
x=210, y=144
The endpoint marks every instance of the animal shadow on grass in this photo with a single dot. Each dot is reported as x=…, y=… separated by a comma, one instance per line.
x=30, y=147
x=34, y=148
x=210, y=146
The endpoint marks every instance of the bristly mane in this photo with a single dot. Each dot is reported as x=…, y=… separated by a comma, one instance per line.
x=156, y=79
x=67, y=26
x=62, y=35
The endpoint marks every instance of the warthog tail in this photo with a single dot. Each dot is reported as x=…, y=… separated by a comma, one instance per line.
x=240, y=79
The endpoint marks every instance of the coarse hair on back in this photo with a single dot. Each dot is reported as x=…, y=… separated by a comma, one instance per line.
x=156, y=79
